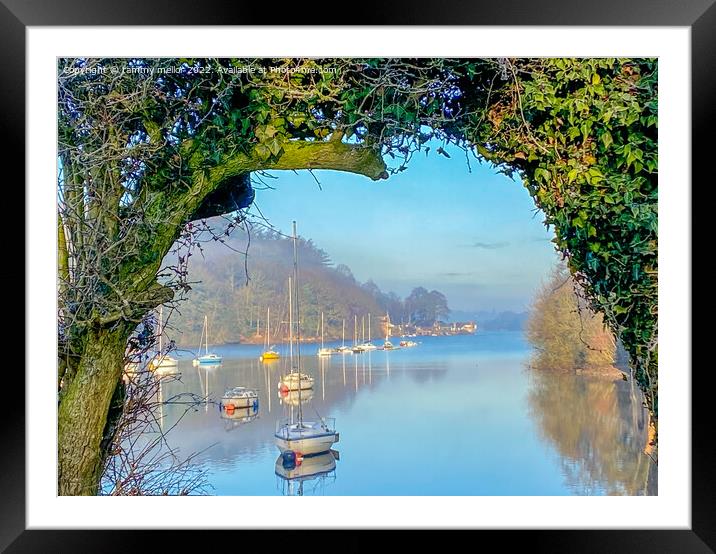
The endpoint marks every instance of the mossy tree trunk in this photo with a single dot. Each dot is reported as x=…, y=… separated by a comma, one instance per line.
x=82, y=414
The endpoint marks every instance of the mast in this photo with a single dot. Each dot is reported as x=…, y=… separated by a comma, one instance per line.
x=321, y=330
x=355, y=329
x=362, y=327
x=343, y=341
x=290, y=326
x=206, y=336
x=268, y=327
x=369, y=337
x=298, y=324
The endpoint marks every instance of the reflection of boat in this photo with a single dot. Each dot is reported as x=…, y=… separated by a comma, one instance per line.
x=291, y=397
x=323, y=351
x=270, y=352
x=306, y=437
x=208, y=358
x=239, y=397
x=162, y=360
x=296, y=471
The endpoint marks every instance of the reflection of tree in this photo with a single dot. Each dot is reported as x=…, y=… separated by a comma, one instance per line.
x=598, y=426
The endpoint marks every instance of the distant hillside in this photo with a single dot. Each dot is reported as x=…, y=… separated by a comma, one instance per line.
x=237, y=310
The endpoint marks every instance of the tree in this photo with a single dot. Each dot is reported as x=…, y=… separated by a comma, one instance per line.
x=565, y=332
x=150, y=148
x=425, y=308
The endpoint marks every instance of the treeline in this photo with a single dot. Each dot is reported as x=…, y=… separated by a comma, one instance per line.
x=237, y=293
x=564, y=331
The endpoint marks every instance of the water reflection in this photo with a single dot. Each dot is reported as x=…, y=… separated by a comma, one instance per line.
x=599, y=427
x=309, y=475
x=239, y=416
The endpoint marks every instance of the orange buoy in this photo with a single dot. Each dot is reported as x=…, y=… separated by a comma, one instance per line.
x=299, y=458
x=229, y=407
x=284, y=389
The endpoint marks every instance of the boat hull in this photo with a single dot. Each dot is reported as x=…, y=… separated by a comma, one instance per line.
x=308, y=446
x=247, y=402
x=205, y=360
x=291, y=382
x=164, y=361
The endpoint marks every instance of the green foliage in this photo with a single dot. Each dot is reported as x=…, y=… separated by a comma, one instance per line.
x=582, y=135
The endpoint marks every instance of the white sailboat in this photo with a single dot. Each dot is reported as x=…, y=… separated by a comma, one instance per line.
x=387, y=345
x=367, y=344
x=239, y=397
x=294, y=380
x=162, y=360
x=303, y=437
x=357, y=348
x=343, y=349
x=323, y=351
x=209, y=358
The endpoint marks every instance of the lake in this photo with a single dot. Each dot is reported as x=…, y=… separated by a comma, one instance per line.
x=456, y=415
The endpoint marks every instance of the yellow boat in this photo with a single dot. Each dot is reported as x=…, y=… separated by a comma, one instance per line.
x=269, y=353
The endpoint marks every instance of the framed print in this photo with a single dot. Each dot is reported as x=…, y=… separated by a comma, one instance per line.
x=412, y=274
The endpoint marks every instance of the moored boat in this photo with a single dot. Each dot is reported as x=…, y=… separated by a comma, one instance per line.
x=296, y=381
x=209, y=358
x=239, y=397
x=306, y=437
x=299, y=436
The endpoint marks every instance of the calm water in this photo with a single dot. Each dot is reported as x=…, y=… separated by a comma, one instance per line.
x=453, y=416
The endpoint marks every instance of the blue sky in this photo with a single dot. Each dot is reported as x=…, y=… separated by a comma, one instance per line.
x=475, y=236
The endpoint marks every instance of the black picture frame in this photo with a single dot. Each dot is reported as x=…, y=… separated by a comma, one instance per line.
x=699, y=15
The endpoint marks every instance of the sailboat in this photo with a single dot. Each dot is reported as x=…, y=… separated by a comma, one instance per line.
x=323, y=351
x=387, y=345
x=302, y=437
x=357, y=348
x=367, y=344
x=209, y=358
x=343, y=349
x=294, y=380
x=239, y=397
x=269, y=352
x=162, y=360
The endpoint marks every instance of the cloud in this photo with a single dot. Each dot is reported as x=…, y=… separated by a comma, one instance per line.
x=456, y=274
x=488, y=245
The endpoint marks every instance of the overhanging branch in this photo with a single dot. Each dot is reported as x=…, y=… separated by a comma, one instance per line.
x=296, y=155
